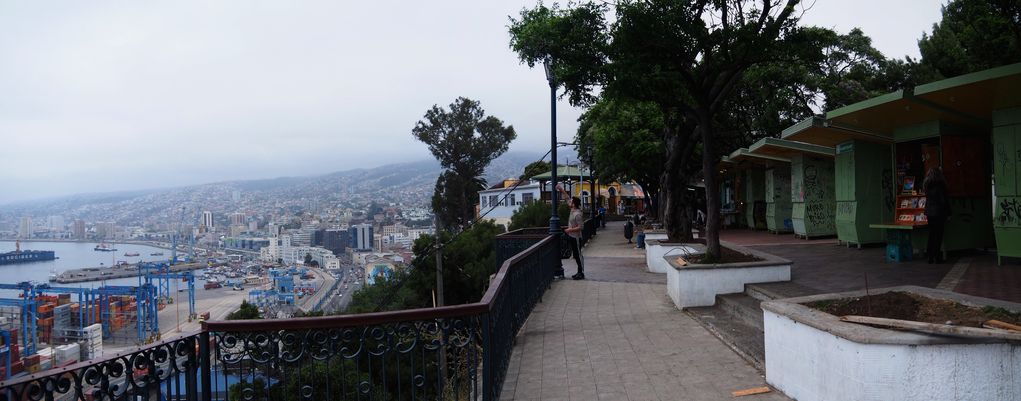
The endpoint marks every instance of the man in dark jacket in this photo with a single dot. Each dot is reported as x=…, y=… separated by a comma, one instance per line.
x=937, y=210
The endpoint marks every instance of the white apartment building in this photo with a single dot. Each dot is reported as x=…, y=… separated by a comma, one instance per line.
x=499, y=202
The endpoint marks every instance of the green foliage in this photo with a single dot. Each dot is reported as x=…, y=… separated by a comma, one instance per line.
x=536, y=214
x=575, y=40
x=626, y=142
x=344, y=377
x=973, y=35
x=247, y=311
x=468, y=261
x=308, y=259
x=535, y=168
x=465, y=141
x=388, y=294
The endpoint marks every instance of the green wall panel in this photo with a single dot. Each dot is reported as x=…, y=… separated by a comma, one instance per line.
x=863, y=181
x=813, y=187
x=778, y=199
x=755, y=217
x=1007, y=173
x=1006, y=160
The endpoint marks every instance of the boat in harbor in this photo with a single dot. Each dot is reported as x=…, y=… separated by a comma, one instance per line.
x=20, y=256
x=103, y=247
x=131, y=254
x=156, y=254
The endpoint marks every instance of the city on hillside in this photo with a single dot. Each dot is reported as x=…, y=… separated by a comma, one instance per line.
x=476, y=201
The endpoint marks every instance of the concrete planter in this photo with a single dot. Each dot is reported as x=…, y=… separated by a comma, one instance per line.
x=656, y=249
x=699, y=284
x=812, y=355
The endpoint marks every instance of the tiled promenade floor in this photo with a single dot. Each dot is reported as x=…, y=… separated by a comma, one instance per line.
x=599, y=339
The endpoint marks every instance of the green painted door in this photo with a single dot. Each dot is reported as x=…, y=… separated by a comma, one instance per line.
x=778, y=199
x=1007, y=212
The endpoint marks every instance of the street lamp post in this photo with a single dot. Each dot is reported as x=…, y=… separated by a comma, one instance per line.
x=554, y=220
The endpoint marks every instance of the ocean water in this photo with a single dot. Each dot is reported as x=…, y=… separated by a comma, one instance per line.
x=72, y=255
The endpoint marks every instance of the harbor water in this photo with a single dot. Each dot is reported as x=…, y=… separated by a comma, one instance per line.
x=73, y=255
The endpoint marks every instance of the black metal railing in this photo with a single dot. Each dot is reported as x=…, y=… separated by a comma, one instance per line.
x=448, y=353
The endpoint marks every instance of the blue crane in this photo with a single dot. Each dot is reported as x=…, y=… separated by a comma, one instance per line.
x=28, y=328
x=147, y=308
x=5, y=353
x=160, y=273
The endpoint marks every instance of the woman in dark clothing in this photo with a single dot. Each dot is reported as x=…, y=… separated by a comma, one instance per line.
x=937, y=209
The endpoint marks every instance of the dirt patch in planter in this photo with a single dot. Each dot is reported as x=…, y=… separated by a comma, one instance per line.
x=727, y=255
x=907, y=306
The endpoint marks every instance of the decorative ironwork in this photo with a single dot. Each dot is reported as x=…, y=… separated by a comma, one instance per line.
x=167, y=370
x=452, y=353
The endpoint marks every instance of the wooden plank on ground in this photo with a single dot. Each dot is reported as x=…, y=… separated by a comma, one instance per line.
x=751, y=391
x=996, y=324
x=942, y=329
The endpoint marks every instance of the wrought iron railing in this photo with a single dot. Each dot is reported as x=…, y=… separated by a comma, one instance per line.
x=448, y=353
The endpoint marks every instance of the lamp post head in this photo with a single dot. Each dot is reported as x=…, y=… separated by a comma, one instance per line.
x=548, y=66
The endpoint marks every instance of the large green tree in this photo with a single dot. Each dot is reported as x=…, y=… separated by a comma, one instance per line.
x=686, y=56
x=973, y=35
x=625, y=140
x=465, y=141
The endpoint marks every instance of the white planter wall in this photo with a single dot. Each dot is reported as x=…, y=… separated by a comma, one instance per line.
x=692, y=286
x=655, y=251
x=809, y=364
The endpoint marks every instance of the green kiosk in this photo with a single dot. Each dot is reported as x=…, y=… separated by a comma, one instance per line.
x=862, y=178
x=759, y=170
x=747, y=180
x=993, y=97
x=802, y=191
x=950, y=124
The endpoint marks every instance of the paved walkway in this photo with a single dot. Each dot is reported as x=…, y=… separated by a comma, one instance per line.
x=617, y=336
x=824, y=266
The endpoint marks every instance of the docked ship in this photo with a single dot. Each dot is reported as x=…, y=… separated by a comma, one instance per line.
x=20, y=256
x=156, y=254
x=131, y=254
x=103, y=247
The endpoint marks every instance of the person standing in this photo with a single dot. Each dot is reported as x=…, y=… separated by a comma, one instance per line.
x=602, y=216
x=574, y=227
x=629, y=229
x=937, y=210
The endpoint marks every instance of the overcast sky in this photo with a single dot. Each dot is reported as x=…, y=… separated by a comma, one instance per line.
x=105, y=96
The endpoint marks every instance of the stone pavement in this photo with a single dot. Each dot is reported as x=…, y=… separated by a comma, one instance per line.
x=617, y=336
x=824, y=266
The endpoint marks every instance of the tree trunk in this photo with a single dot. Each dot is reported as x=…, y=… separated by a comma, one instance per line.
x=676, y=219
x=712, y=196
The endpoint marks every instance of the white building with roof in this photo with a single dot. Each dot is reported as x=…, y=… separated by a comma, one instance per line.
x=499, y=202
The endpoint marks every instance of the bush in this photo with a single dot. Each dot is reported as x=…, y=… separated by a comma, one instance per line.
x=536, y=214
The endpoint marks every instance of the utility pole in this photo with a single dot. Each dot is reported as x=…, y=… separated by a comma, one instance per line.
x=439, y=262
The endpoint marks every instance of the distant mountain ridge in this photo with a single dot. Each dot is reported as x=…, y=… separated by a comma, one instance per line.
x=408, y=181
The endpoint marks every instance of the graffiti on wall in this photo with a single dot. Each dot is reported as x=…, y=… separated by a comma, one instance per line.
x=1009, y=213
x=888, y=190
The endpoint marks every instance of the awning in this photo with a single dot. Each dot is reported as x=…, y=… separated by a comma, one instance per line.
x=565, y=173
x=787, y=149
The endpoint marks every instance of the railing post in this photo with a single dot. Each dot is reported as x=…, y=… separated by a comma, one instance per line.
x=487, y=359
x=191, y=373
x=205, y=355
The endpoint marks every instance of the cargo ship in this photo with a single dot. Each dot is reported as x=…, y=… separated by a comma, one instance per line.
x=20, y=256
x=131, y=254
x=103, y=247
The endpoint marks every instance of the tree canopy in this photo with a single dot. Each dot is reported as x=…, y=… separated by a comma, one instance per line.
x=973, y=35
x=465, y=141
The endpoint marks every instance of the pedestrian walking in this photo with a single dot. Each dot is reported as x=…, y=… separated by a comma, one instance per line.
x=574, y=228
x=602, y=216
x=937, y=210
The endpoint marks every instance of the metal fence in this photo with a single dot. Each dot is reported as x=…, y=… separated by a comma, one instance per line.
x=448, y=353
